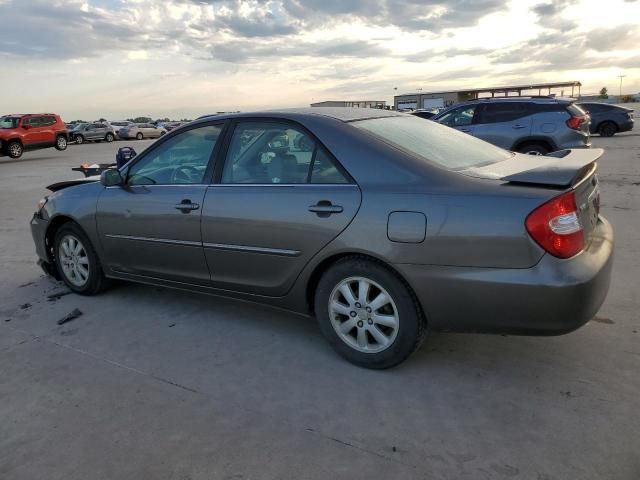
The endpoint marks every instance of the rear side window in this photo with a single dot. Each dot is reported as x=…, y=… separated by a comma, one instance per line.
x=503, y=112
x=433, y=142
x=47, y=121
x=33, y=121
x=271, y=152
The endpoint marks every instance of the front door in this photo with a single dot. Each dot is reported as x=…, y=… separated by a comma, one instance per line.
x=280, y=199
x=460, y=118
x=151, y=226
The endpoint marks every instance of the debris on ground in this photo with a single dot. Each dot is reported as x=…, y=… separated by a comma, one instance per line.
x=26, y=284
x=24, y=306
x=57, y=295
x=72, y=316
x=172, y=325
x=608, y=321
x=7, y=319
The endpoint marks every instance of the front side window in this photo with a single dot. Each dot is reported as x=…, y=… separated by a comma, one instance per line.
x=9, y=122
x=433, y=142
x=182, y=159
x=271, y=152
x=458, y=117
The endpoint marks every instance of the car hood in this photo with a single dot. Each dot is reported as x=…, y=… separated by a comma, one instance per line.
x=54, y=187
x=558, y=169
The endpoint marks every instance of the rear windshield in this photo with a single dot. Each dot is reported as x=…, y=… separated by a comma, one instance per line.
x=433, y=142
x=575, y=110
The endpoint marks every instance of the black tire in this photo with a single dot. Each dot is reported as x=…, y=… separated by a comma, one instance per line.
x=607, y=129
x=411, y=324
x=139, y=136
x=96, y=281
x=109, y=137
x=533, y=149
x=79, y=139
x=61, y=143
x=15, y=149
x=162, y=133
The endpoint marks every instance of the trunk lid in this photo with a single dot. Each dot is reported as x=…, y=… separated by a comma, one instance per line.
x=562, y=170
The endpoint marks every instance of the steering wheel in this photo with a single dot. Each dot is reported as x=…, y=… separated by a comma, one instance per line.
x=184, y=173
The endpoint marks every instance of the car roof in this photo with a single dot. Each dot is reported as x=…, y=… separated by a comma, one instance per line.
x=344, y=114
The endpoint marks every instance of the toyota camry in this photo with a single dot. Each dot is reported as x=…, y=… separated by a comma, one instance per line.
x=380, y=224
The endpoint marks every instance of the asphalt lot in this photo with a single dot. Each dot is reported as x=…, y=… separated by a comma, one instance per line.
x=159, y=384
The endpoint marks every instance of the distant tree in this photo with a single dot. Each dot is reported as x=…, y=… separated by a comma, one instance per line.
x=604, y=92
x=141, y=120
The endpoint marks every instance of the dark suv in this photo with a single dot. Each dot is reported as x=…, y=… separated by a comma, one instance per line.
x=30, y=132
x=607, y=120
x=536, y=125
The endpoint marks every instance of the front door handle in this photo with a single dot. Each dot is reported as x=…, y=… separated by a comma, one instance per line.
x=324, y=208
x=186, y=205
x=516, y=127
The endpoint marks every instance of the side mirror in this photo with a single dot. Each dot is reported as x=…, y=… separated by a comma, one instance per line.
x=111, y=178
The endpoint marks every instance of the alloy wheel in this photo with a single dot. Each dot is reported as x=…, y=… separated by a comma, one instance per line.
x=74, y=260
x=363, y=314
x=61, y=143
x=15, y=150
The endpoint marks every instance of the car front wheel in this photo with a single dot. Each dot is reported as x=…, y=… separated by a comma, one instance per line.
x=139, y=136
x=77, y=261
x=15, y=149
x=79, y=139
x=109, y=137
x=367, y=313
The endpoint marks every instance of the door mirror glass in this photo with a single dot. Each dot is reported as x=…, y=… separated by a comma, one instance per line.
x=111, y=178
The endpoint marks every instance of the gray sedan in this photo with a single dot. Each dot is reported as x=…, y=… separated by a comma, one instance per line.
x=381, y=224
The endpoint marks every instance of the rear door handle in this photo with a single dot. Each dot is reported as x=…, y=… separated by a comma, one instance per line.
x=519, y=126
x=186, y=206
x=324, y=208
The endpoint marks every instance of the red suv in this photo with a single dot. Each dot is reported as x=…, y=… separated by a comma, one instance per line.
x=30, y=132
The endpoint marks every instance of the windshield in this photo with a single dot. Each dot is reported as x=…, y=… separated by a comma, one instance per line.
x=9, y=122
x=433, y=142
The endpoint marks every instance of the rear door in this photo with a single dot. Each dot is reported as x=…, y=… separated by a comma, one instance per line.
x=280, y=197
x=150, y=227
x=33, y=134
x=47, y=124
x=503, y=123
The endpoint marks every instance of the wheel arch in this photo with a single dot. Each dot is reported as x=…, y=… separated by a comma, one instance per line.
x=327, y=263
x=52, y=228
x=544, y=141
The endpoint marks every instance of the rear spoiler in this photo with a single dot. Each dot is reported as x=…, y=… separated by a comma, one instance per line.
x=570, y=168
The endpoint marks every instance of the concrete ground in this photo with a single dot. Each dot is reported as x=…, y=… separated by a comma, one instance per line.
x=158, y=384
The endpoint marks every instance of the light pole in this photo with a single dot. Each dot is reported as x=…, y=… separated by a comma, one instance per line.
x=621, y=77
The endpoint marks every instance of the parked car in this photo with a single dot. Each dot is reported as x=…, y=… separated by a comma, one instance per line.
x=20, y=133
x=607, y=120
x=119, y=124
x=93, y=132
x=141, y=130
x=381, y=223
x=535, y=125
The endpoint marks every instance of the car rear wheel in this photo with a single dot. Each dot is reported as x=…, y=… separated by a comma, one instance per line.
x=607, y=129
x=79, y=139
x=139, y=136
x=77, y=261
x=368, y=314
x=61, y=143
x=533, y=149
x=15, y=149
x=109, y=137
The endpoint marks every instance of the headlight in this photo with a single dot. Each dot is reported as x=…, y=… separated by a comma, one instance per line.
x=41, y=203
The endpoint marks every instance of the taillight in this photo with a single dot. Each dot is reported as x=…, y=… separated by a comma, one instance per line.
x=555, y=226
x=575, y=122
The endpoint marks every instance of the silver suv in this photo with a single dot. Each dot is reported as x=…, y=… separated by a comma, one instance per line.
x=536, y=125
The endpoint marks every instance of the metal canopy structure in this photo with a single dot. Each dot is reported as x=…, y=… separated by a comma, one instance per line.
x=507, y=90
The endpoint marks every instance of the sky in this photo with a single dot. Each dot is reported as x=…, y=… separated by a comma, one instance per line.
x=183, y=58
